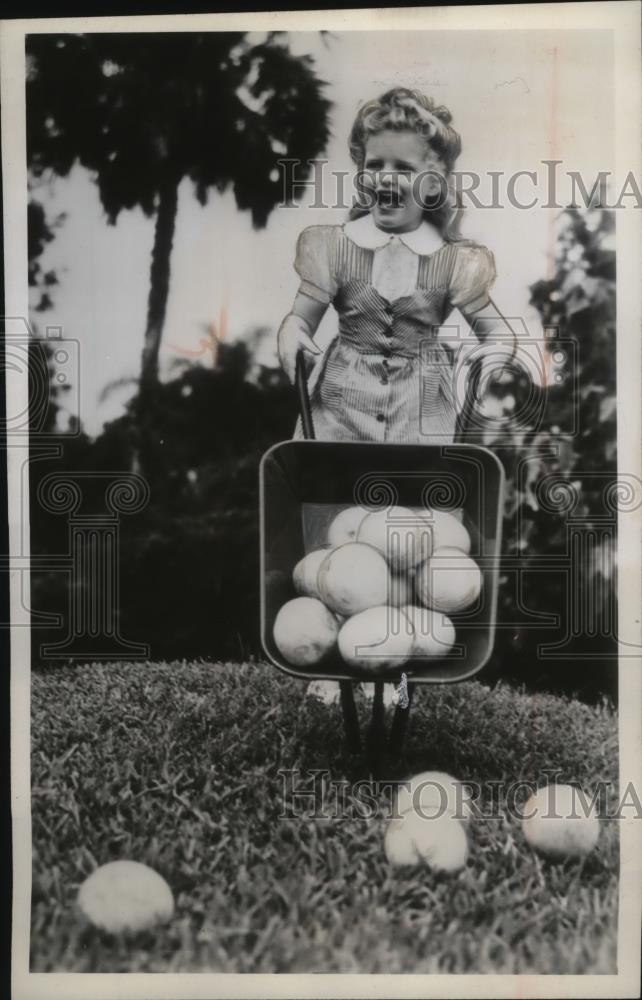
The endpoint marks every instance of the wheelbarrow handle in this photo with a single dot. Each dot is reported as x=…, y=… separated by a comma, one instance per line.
x=466, y=416
x=301, y=380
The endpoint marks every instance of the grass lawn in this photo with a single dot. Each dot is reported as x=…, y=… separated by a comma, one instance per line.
x=177, y=766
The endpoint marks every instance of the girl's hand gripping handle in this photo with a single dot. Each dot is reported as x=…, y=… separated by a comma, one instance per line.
x=307, y=424
x=294, y=336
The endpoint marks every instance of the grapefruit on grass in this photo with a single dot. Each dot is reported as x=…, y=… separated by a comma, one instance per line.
x=439, y=842
x=125, y=896
x=560, y=822
x=434, y=794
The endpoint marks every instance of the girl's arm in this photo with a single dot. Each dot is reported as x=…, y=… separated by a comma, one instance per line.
x=297, y=330
x=486, y=323
x=489, y=320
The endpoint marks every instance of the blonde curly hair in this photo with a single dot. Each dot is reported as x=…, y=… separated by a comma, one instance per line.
x=402, y=109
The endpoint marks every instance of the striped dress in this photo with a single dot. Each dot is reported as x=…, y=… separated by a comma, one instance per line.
x=387, y=377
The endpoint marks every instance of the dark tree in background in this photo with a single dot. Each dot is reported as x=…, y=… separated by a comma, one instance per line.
x=46, y=392
x=40, y=232
x=144, y=111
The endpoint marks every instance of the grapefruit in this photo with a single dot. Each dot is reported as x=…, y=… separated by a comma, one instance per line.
x=125, y=896
x=400, y=534
x=305, y=573
x=447, y=530
x=400, y=590
x=353, y=577
x=560, y=822
x=441, y=842
x=345, y=526
x=434, y=631
x=305, y=631
x=399, y=845
x=449, y=581
x=433, y=794
x=376, y=640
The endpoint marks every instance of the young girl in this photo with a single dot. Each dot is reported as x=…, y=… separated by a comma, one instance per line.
x=394, y=273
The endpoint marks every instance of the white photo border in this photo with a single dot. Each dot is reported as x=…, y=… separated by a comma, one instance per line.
x=623, y=19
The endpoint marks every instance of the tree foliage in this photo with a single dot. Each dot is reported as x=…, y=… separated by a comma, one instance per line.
x=562, y=474
x=142, y=112
x=138, y=110
x=41, y=230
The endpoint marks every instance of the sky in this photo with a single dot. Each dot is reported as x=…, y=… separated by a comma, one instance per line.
x=517, y=98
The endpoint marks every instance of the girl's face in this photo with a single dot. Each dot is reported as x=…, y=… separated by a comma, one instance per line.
x=399, y=172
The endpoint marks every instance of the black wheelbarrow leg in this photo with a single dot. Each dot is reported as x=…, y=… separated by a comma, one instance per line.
x=350, y=717
x=376, y=738
x=400, y=725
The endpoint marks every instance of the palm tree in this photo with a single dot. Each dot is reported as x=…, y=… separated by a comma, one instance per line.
x=144, y=111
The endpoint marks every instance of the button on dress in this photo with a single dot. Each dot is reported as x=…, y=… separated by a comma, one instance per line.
x=386, y=377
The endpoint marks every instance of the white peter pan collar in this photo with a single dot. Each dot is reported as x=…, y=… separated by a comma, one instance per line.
x=365, y=234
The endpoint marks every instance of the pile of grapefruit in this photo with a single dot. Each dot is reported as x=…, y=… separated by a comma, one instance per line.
x=380, y=591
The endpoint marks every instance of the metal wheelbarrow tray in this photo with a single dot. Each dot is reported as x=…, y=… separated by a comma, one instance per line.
x=304, y=484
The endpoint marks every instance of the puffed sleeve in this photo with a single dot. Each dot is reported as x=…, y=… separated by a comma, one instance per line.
x=473, y=277
x=314, y=262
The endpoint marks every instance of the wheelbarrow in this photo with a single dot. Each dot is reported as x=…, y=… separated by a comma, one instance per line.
x=305, y=483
